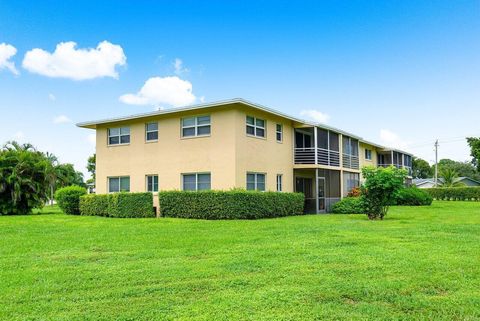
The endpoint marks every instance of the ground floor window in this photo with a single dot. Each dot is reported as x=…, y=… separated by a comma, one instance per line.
x=196, y=181
x=152, y=183
x=279, y=182
x=255, y=181
x=119, y=184
x=350, y=181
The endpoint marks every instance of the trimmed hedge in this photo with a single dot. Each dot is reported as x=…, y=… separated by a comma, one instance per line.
x=131, y=205
x=233, y=204
x=349, y=205
x=413, y=196
x=455, y=193
x=68, y=198
x=93, y=204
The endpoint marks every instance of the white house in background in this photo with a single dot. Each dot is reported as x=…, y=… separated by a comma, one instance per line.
x=430, y=182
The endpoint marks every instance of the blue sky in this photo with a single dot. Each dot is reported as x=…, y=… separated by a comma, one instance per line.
x=395, y=72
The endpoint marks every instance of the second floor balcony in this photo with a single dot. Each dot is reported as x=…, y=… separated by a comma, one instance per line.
x=318, y=146
x=396, y=159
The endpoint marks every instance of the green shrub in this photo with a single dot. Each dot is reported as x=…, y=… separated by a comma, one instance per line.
x=349, y=205
x=233, y=204
x=455, y=193
x=380, y=187
x=413, y=196
x=68, y=199
x=94, y=204
x=131, y=205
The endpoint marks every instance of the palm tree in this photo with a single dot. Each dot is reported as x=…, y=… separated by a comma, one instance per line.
x=23, y=181
x=449, y=177
x=52, y=172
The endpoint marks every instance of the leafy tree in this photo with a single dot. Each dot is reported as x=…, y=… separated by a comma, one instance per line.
x=91, y=165
x=380, y=188
x=67, y=176
x=29, y=177
x=463, y=169
x=421, y=168
x=24, y=184
x=449, y=176
x=474, y=143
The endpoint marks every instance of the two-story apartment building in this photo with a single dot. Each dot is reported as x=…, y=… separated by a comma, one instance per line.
x=233, y=144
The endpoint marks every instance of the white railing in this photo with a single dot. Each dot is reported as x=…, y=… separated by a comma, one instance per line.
x=350, y=161
x=324, y=156
x=305, y=155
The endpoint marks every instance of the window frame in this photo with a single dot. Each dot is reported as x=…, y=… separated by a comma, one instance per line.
x=153, y=183
x=195, y=126
x=150, y=131
x=255, y=127
x=279, y=182
x=119, y=183
x=279, y=132
x=119, y=136
x=368, y=154
x=196, y=181
x=255, y=182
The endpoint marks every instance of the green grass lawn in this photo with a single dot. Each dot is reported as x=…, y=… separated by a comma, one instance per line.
x=420, y=263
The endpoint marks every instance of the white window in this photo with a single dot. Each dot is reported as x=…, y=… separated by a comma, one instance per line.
x=151, y=132
x=279, y=182
x=152, y=183
x=255, y=182
x=119, y=136
x=279, y=132
x=119, y=184
x=196, y=126
x=255, y=126
x=196, y=181
x=368, y=154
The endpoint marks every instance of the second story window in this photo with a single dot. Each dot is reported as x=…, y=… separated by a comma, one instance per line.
x=368, y=154
x=151, y=132
x=255, y=126
x=196, y=126
x=279, y=132
x=119, y=136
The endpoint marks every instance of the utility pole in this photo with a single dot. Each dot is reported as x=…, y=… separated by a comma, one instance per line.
x=436, y=163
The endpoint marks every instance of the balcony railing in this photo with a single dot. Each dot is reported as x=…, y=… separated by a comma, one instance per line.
x=324, y=156
x=350, y=161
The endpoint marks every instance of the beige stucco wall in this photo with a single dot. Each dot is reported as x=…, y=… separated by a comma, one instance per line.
x=366, y=162
x=228, y=153
x=171, y=155
x=264, y=155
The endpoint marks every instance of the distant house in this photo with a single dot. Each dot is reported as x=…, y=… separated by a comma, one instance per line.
x=430, y=182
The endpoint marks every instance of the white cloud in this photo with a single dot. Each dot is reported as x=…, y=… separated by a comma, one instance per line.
x=62, y=119
x=315, y=115
x=92, y=139
x=52, y=97
x=172, y=91
x=178, y=65
x=78, y=64
x=202, y=99
x=6, y=52
x=390, y=139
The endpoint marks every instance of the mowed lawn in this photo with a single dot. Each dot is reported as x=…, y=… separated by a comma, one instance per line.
x=420, y=263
